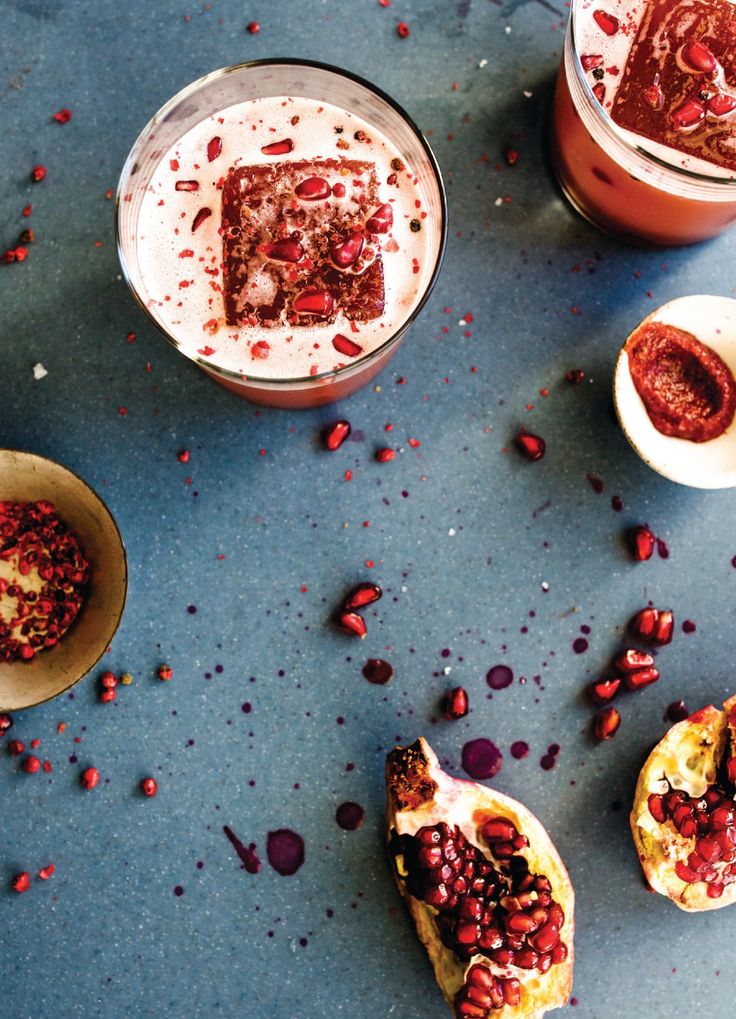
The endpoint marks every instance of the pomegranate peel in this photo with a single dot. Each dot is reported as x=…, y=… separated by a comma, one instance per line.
x=512, y=968
x=683, y=819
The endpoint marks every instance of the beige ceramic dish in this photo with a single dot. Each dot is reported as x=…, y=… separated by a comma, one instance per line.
x=26, y=477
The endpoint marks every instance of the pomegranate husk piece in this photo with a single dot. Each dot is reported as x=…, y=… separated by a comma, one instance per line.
x=688, y=758
x=421, y=794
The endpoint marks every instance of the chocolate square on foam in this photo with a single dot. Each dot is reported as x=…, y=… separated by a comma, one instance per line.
x=260, y=207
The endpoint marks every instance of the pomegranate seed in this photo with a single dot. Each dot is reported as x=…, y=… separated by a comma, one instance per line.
x=654, y=97
x=352, y=623
x=89, y=778
x=253, y=27
x=108, y=680
x=381, y=220
x=656, y=808
x=313, y=189
x=46, y=872
x=278, y=148
x=606, y=22
x=604, y=690
x=532, y=446
x=338, y=190
x=685, y=873
x=385, y=455
x=346, y=346
x=38, y=173
x=520, y=923
x=642, y=543
x=695, y=56
x=362, y=595
x=6, y=722
x=21, y=882
x=722, y=818
x=715, y=890
x=575, y=376
x=199, y=219
x=314, y=302
x=63, y=116
x=183, y=456
x=403, y=31
x=31, y=764
x=107, y=695
x=559, y=953
x=149, y=786
x=691, y=113
x=335, y=434
x=721, y=104
x=641, y=678
x=606, y=723
x=283, y=251
x=512, y=158
x=631, y=660
x=590, y=61
x=345, y=253
x=165, y=672
x=653, y=625
x=709, y=850
x=498, y=829
x=214, y=148
x=456, y=703
x=15, y=747
x=187, y=185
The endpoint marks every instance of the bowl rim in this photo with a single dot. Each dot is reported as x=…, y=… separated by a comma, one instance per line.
x=206, y=363
x=116, y=622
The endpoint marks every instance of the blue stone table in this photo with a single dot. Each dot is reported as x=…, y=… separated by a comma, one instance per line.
x=484, y=558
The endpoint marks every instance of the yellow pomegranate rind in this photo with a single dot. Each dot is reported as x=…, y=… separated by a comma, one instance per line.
x=686, y=758
x=421, y=793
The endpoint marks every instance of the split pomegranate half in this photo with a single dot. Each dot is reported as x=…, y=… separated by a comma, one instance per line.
x=489, y=894
x=684, y=815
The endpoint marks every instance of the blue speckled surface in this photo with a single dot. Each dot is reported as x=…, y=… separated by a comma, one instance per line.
x=462, y=534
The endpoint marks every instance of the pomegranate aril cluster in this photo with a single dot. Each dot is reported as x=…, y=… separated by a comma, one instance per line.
x=711, y=823
x=633, y=668
x=35, y=613
x=348, y=619
x=492, y=907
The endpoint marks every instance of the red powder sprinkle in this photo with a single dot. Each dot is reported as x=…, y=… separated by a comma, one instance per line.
x=512, y=156
x=108, y=194
x=27, y=210
x=63, y=116
x=348, y=475
x=402, y=30
x=370, y=564
x=414, y=443
x=38, y=173
x=262, y=452
x=122, y=411
x=130, y=337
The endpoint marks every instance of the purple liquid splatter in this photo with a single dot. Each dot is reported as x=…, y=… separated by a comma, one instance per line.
x=247, y=854
x=481, y=758
x=377, y=671
x=350, y=816
x=519, y=749
x=499, y=677
x=285, y=851
x=688, y=626
x=580, y=645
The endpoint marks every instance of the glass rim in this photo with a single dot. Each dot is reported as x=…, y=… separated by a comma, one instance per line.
x=206, y=363
x=608, y=122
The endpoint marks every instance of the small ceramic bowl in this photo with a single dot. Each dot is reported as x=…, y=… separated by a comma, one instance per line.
x=26, y=477
x=709, y=464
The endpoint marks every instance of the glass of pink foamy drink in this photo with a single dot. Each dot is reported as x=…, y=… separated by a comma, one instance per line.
x=282, y=223
x=644, y=122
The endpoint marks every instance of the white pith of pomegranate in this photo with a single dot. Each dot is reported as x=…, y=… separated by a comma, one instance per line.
x=493, y=910
x=684, y=815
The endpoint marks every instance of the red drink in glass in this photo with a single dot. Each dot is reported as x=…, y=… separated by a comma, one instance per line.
x=644, y=125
